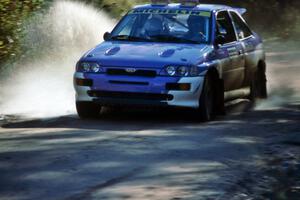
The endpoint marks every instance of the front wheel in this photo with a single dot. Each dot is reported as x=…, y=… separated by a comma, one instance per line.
x=87, y=110
x=207, y=99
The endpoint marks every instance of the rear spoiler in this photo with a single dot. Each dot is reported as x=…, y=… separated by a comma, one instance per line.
x=241, y=10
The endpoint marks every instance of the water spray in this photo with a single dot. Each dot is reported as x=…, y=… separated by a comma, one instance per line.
x=43, y=87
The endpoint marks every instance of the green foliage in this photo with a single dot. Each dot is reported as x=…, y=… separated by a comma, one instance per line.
x=13, y=14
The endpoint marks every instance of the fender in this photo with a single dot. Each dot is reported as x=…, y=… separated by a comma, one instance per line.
x=216, y=64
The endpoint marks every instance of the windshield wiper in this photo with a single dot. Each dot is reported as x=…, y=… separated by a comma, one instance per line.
x=155, y=38
x=170, y=38
x=128, y=38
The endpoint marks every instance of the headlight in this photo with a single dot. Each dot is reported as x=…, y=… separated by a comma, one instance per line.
x=85, y=67
x=171, y=71
x=89, y=67
x=183, y=71
x=95, y=67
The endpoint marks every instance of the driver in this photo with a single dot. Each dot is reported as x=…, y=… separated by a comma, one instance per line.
x=153, y=27
x=196, y=28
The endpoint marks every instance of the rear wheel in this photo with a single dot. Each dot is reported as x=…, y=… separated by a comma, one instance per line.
x=87, y=110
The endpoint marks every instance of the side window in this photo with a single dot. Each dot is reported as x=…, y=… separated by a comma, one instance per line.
x=225, y=27
x=241, y=28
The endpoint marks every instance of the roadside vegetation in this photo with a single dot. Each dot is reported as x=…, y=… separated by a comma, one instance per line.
x=275, y=17
x=13, y=14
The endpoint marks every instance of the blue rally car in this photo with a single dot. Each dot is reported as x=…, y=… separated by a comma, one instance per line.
x=165, y=54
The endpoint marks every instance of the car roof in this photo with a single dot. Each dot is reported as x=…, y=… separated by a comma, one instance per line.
x=200, y=7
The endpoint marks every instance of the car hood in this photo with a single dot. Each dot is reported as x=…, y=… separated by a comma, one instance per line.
x=148, y=54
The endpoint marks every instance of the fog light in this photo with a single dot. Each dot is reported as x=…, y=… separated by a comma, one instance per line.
x=178, y=86
x=185, y=86
x=84, y=82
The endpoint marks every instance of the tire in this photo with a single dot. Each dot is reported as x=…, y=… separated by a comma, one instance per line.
x=220, y=98
x=262, y=84
x=253, y=90
x=258, y=88
x=87, y=110
x=207, y=101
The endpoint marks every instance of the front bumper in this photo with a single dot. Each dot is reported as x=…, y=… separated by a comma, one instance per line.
x=124, y=90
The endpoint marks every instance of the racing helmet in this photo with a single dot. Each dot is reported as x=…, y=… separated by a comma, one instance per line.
x=153, y=26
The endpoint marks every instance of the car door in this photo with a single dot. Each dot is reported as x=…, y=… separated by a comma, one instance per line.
x=232, y=68
x=248, y=42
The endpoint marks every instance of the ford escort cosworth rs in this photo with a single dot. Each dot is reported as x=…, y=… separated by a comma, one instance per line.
x=165, y=54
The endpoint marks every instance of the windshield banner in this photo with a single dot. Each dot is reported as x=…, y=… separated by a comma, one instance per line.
x=166, y=11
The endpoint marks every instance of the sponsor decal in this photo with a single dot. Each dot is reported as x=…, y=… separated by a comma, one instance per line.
x=165, y=11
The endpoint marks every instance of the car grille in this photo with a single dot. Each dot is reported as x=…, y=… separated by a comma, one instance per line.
x=129, y=82
x=130, y=95
x=139, y=72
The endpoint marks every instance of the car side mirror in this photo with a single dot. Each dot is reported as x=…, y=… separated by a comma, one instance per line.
x=220, y=40
x=241, y=35
x=106, y=36
x=222, y=31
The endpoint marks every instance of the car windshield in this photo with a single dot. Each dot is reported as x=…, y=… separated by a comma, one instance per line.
x=174, y=26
